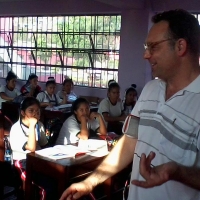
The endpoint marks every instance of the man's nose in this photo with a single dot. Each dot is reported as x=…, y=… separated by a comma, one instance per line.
x=147, y=54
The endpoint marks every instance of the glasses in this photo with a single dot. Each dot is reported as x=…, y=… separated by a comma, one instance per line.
x=151, y=46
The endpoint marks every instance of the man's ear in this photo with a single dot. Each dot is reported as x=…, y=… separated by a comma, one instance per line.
x=182, y=46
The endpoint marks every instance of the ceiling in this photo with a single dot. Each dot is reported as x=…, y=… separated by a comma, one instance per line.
x=126, y=4
x=155, y=5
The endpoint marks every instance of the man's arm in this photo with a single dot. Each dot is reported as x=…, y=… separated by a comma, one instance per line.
x=118, y=158
x=160, y=174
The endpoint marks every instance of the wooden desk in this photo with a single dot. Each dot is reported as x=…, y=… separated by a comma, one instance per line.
x=65, y=171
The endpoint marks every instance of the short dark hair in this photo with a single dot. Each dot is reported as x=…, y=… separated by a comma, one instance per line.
x=76, y=104
x=51, y=80
x=68, y=80
x=112, y=84
x=31, y=76
x=29, y=101
x=131, y=89
x=182, y=24
x=10, y=76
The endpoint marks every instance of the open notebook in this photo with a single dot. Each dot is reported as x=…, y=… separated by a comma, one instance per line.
x=92, y=147
x=58, y=152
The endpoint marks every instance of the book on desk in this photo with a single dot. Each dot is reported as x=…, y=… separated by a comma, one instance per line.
x=60, y=107
x=91, y=147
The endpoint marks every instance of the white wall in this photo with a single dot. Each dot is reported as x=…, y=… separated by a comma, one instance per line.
x=132, y=67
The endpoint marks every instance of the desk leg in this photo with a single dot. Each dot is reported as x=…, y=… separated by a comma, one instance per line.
x=28, y=183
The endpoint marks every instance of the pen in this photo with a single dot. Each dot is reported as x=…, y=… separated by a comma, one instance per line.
x=59, y=154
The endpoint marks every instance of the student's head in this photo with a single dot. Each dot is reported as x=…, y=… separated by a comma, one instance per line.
x=81, y=107
x=30, y=108
x=113, y=91
x=68, y=85
x=51, y=85
x=172, y=40
x=130, y=95
x=32, y=80
x=11, y=80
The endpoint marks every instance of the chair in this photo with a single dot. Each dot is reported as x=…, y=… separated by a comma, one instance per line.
x=11, y=110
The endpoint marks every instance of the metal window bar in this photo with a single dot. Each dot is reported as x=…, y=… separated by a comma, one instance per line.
x=86, y=46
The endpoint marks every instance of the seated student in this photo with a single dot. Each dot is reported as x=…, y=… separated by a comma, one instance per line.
x=31, y=88
x=68, y=89
x=48, y=97
x=111, y=108
x=8, y=92
x=82, y=124
x=130, y=99
x=28, y=135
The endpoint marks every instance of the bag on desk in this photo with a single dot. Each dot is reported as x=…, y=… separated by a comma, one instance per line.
x=53, y=127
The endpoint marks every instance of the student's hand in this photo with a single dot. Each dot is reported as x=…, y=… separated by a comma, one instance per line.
x=154, y=176
x=50, y=105
x=83, y=118
x=94, y=115
x=76, y=190
x=32, y=121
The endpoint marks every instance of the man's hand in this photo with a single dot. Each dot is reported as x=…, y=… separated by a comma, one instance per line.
x=76, y=190
x=154, y=176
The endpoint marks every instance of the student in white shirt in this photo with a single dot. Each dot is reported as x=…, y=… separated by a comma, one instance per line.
x=8, y=92
x=48, y=97
x=68, y=89
x=130, y=99
x=111, y=108
x=28, y=133
x=82, y=124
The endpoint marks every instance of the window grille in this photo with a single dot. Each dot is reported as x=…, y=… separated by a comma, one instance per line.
x=85, y=48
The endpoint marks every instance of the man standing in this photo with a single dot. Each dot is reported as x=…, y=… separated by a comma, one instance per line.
x=165, y=123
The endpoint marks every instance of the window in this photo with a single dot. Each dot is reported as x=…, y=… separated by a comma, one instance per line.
x=84, y=48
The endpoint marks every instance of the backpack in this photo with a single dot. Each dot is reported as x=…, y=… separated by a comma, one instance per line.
x=53, y=127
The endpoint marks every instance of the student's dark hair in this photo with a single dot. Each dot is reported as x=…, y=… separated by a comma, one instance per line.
x=31, y=76
x=10, y=76
x=112, y=84
x=182, y=24
x=76, y=104
x=68, y=80
x=51, y=80
x=131, y=89
x=29, y=101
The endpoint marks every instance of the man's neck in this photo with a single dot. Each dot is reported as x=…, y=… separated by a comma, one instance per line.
x=179, y=82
